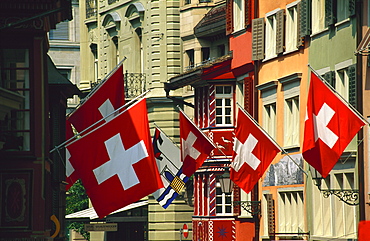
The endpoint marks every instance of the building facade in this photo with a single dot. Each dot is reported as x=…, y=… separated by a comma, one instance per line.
x=145, y=36
x=33, y=105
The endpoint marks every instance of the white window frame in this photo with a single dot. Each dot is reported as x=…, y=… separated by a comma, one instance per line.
x=291, y=29
x=318, y=16
x=238, y=15
x=268, y=96
x=222, y=202
x=223, y=98
x=291, y=122
x=270, y=40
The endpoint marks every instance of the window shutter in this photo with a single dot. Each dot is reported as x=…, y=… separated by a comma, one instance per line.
x=270, y=214
x=248, y=94
x=304, y=16
x=330, y=78
x=352, y=85
x=352, y=7
x=330, y=18
x=258, y=36
x=229, y=17
x=280, y=31
x=248, y=13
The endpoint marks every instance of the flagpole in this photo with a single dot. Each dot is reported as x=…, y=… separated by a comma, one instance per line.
x=73, y=138
x=98, y=85
x=215, y=146
x=272, y=139
x=339, y=95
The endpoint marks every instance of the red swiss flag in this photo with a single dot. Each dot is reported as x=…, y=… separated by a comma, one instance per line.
x=195, y=146
x=253, y=153
x=330, y=126
x=119, y=166
x=109, y=96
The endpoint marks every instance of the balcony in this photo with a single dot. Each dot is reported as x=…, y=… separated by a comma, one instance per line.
x=134, y=84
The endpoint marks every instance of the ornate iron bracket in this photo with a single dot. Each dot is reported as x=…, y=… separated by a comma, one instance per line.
x=252, y=207
x=350, y=197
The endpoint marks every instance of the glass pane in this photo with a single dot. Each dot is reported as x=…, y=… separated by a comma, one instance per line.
x=228, y=209
x=228, y=111
x=227, y=102
x=218, y=111
x=218, y=120
x=218, y=199
x=218, y=102
x=219, y=90
x=218, y=209
x=228, y=199
x=227, y=89
x=227, y=120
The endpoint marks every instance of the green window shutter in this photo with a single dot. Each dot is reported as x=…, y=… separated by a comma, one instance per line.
x=280, y=30
x=330, y=78
x=330, y=16
x=229, y=17
x=352, y=86
x=352, y=7
x=258, y=37
x=304, y=16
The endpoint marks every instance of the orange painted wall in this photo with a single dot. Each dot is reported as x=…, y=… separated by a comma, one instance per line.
x=241, y=46
x=245, y=231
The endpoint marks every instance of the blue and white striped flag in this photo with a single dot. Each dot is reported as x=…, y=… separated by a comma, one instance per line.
x=169, y=164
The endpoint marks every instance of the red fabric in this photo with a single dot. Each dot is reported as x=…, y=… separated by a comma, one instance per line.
x=71, y=176
x=117, y=142
x=195, y=147
x=88, y=113
x=327, y=133
x=253, y=153
x=364, y=231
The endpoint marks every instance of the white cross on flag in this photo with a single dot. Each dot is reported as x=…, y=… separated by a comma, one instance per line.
x=105, y=99
x=119, y=166
x=195, y=146
x=253, y=153
x=330, y=126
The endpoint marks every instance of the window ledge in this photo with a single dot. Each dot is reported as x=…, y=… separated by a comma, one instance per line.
x=269, y=58
x=292, y=148
x=347, y=20
x=319, y=32
x=290, y=51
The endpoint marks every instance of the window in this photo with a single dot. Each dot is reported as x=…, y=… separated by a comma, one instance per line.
x=224, y=105
x=190, y=57
x=238, y=15
x=61, y=32
x=94, y=51
x=290, y=211
x=318, y=15
x=15, y=104
x=223, y=202
x=342, y=10
x=205, y=53
x=269, y=119
x=291, y=123
x=270, y=43
x=220, y=50
x=291, y=30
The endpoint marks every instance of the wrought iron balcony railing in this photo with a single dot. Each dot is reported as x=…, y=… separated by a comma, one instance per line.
x=134, y=84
